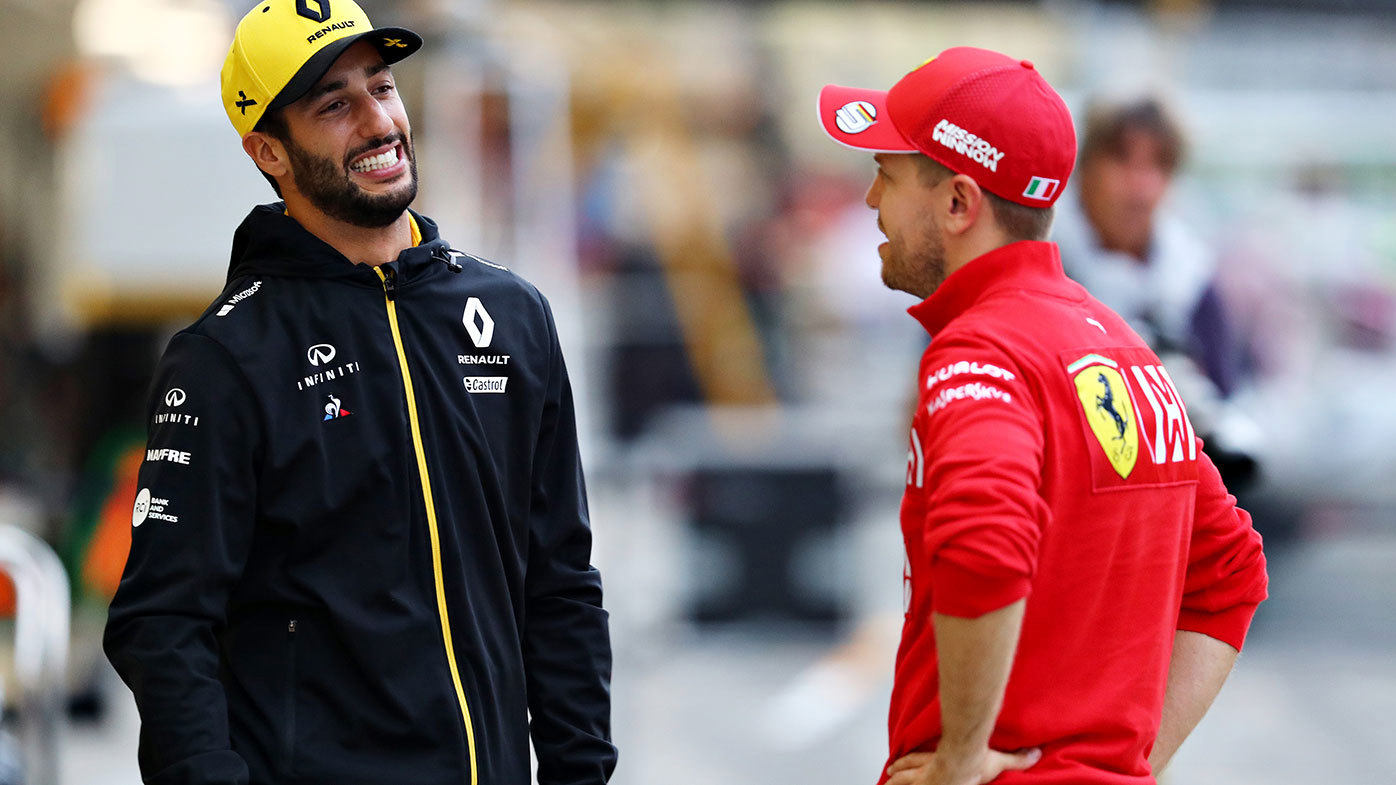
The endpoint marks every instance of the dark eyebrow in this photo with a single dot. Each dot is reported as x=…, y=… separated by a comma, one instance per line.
x=339, y=84
x=324, y=89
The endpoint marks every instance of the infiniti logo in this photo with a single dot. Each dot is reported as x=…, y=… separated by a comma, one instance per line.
x=319, y=354
x=174, y=397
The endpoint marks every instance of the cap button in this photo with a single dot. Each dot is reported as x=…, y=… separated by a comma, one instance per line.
x=1025, y=63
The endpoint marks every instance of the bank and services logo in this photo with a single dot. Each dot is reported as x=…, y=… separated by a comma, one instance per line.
x=320, y=354
x=335, y=409
x=480, y=334
x=1106, y=402
x=175, y=397
x=142, y=508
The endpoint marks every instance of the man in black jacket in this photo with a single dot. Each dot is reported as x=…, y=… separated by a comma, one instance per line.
x=361, y=549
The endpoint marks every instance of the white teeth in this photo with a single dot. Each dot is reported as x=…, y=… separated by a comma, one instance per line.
x=380, y=161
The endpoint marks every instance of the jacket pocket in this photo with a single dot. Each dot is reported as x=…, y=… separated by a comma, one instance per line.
x=288, y=738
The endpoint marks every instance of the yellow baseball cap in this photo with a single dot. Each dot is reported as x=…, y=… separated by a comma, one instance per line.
x=283, y=47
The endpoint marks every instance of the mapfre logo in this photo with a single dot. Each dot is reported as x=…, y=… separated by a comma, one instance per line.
x=480, y=334
x=175, y=397
x=320, y=354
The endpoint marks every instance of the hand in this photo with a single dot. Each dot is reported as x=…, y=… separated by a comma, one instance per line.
x=919, y=768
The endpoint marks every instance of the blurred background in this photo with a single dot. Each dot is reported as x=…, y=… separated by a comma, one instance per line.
x=746, y=381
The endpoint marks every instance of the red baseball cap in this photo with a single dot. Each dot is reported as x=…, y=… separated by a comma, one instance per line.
x=978, y=112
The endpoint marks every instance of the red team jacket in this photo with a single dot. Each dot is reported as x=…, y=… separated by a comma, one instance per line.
x=1052, y=458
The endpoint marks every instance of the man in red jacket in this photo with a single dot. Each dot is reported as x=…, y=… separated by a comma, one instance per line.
x=1078, y=580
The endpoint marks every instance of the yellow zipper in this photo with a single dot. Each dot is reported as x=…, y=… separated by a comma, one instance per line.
x=431, y=522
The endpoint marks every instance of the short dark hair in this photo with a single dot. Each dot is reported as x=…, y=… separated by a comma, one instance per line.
x=273, y=124
x=1108, y=123
x=1018, y=221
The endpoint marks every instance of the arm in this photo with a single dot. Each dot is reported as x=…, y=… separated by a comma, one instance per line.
x=567, y=647
x=983, y=441
x=1195, y=675
x=1225, y=582
x=1225, y=578
x=975, y=658
x=161, y=631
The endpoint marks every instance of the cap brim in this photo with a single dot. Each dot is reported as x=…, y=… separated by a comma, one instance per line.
x=394, y=43
x=857, y=118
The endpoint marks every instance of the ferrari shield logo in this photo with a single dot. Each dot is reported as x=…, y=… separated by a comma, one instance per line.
x=1111, y=416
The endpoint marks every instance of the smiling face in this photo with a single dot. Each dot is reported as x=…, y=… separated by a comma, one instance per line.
x=913, y=258
x=349, y=144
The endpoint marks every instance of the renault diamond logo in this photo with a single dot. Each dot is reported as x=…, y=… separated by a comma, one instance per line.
x=319, y=354
x=174, y=397
x=480, y=334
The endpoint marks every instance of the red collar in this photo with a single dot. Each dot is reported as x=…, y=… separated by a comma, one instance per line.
x=1020, y=265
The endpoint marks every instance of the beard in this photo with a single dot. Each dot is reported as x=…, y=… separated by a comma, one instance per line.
x=326, y=184
x=919, y=271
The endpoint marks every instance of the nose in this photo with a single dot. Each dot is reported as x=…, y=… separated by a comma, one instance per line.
x=373, y=118
x=874, y=195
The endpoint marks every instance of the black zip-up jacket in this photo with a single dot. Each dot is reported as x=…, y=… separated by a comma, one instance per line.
x=361, y=548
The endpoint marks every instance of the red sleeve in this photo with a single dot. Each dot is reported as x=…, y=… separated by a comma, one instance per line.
x=983, y=440
x=1226, y=577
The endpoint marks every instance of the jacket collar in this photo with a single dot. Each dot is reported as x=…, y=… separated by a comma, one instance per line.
x=269, y=242
x=1020, y=265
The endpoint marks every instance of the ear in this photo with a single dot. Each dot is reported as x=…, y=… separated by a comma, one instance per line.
x=268, y=153
x=966, y=204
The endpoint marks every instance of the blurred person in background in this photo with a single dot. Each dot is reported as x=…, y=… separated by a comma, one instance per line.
x=1119, y=241
x=347, y=565
x=1078, y=582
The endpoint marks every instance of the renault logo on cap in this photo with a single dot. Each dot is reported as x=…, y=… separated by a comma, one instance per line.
x=319, y=354
x=319, y=13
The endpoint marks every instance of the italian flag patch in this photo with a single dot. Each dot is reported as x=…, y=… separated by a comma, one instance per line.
x=1041, y=188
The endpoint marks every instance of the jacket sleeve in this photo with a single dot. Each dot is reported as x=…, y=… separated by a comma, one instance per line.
x=1226, y=576
x=193, y=524
x=567, y=648
x=982, y=433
